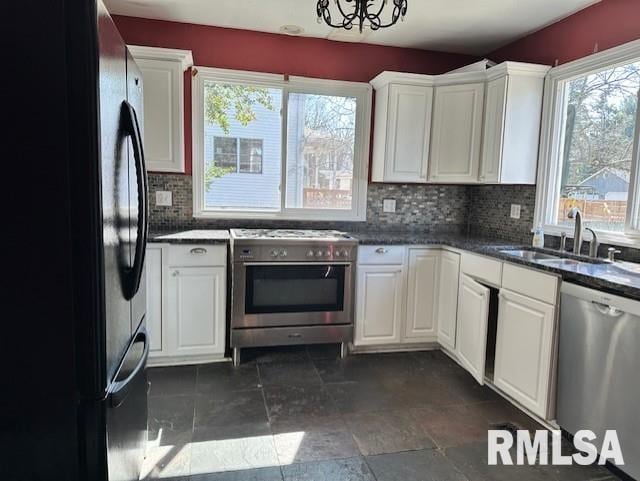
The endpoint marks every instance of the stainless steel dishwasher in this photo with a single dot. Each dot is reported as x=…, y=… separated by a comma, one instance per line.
x=599, y=368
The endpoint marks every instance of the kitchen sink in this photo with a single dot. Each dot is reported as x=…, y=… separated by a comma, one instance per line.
x=559, y=262
x=533, y=256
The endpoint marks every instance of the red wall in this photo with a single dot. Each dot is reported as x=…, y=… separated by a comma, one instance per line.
x=599, y=27
x=272, y=53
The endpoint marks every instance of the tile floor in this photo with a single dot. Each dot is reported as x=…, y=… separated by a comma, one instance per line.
x=302, y=414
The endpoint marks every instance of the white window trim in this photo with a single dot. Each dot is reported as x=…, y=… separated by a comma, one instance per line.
x=361, y=91
x=551, y=142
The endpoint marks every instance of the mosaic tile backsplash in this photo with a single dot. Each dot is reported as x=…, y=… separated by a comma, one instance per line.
x=481, y=210
x=418, y=207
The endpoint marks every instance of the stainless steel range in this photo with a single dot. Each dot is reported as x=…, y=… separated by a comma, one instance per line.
x=291, y=287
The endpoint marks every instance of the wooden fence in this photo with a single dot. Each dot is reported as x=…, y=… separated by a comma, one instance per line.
x=609, y=211
x=327, y=198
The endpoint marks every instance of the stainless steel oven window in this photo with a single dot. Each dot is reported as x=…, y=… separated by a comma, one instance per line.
x=272, y=289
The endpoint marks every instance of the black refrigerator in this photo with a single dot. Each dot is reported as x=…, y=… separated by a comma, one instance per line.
x=74, y=402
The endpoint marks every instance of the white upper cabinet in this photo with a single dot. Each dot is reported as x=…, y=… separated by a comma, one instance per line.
x=512, y=115
x=472, y=125
x=456, y=133
x=402, y=128
x=422, y=295
x=163, y=87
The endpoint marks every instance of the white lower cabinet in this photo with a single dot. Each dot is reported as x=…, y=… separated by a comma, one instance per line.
x=378, y=304
x=524, y=350
x=196, y=306
x=421, y=318
x=471, y=332
x=186, y=303
x=153, y=264
x=448, y=299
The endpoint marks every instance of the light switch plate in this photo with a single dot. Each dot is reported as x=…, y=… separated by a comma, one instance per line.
x=515, y=211
x=389, y=205
x=164, y=198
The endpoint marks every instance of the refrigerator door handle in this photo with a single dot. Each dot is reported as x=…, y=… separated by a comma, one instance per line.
x=120, y=389
x=133, y=130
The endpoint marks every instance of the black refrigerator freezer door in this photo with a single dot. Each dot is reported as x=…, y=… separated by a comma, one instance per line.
x=114, y=174
x=127, y=413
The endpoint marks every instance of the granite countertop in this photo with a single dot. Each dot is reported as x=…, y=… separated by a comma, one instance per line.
x=601, y=276
x=191, y=237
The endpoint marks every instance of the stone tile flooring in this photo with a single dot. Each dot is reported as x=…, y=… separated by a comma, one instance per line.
x=302, y=414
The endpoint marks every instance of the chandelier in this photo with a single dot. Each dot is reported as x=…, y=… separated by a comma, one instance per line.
x=363, y=13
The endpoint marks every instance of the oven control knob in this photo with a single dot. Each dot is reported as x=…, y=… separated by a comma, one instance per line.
x=310, y=253
x=283, y=253
x=274, y=253
x=327, y=253
x=319, y=253
x=338, y=253
x=345, y=253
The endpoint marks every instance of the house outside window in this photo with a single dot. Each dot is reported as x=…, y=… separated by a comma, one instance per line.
x=589, y=146
x=266, y=147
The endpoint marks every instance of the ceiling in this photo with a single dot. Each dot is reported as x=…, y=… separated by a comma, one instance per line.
x=461, y=26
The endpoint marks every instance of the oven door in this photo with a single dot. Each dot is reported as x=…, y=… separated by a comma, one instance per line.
x=292, y=294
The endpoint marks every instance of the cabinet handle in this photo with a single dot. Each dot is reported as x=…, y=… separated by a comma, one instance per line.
x=175, y=273
x=381, y=250
x=198, y=251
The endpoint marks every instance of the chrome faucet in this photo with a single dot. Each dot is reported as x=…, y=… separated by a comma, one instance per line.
x=594, y=244
x=577, y=232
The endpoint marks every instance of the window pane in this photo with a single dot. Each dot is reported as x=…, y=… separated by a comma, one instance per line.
x=598, y=144
x=225, y=153
x=251, y=156
x=248, y=118
x=320, y=146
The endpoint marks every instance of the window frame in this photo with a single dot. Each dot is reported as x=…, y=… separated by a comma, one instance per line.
x=289, y=84
x=552, y=139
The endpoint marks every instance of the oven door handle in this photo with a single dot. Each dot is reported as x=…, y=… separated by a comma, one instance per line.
x=346, y=264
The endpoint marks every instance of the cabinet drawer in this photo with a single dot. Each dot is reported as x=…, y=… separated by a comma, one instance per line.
x=528, y=282
x=381, y=254
x=482, y=269
x=197, y=255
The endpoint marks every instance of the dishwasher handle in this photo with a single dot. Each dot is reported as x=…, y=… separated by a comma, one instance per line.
x=606, y=309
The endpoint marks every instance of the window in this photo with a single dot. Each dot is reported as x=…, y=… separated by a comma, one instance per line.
x=250, y=159
x=228, y=158
x=225, y=153
x=266, y=147
x=589, y=151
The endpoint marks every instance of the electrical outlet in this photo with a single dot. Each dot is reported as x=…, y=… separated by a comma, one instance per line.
x=164, y=198
x=389, y=205
x=515, y=211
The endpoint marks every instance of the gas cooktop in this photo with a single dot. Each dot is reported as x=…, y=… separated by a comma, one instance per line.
x=290, y=235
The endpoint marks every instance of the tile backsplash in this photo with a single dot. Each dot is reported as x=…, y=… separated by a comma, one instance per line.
x=482, y=210
x=489, y=209
x=418, y=207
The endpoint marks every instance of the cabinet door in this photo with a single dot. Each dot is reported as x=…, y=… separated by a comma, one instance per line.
x=422, y=296
x=153, y=265
x=196, y=310
x=163, y=114
x=471, y=336
x=408, y=133
x=379, y=299
x=448, y=298
x=495, y=105
x=456, y=133
x=523, y=350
